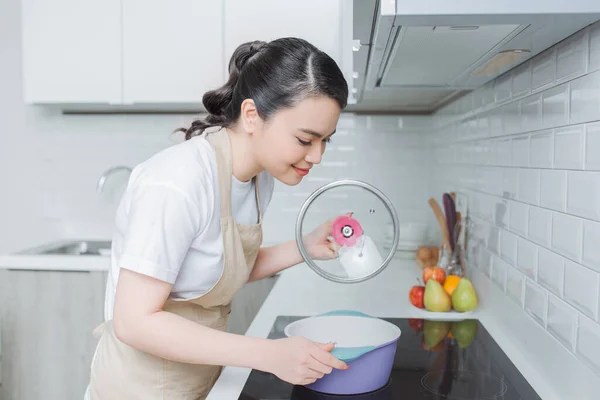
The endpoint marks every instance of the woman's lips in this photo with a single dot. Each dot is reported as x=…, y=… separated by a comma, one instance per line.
x=301, y=171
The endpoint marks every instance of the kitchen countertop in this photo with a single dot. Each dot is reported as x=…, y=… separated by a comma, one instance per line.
x=54, y=262
x=554, y=372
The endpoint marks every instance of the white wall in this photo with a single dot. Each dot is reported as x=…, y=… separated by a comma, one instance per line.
x=50, y=162
x=526, y=150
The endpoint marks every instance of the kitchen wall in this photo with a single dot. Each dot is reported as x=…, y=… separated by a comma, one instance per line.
x=526, y=151
x=50, y=162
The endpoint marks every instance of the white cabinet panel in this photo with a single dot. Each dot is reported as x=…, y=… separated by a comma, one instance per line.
x=322, y=23
x=71, y=51
x=172, y=51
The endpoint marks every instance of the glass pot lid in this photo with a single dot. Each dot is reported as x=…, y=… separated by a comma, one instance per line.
x=364, y=231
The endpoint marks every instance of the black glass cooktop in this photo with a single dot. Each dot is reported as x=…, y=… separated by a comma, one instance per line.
x=463, y=364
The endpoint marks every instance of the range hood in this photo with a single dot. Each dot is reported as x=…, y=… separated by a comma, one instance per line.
x=415, y=56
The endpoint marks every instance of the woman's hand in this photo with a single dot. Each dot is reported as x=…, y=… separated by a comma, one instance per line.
x=299, y=361
x=318, y=243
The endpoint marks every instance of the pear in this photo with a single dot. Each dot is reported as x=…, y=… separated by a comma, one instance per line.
x=464, y=332
x=434, y=332
x=436, y=299
x=464, y=297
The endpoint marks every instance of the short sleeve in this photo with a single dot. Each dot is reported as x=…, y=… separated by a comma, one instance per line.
x=162, y=222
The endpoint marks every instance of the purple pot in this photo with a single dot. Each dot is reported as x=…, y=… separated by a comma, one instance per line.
x=367, y=344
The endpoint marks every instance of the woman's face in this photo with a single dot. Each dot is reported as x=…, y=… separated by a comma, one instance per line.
x=293, y=140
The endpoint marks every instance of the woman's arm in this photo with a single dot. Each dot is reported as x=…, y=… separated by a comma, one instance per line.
x=273, y=259
x=140, y=322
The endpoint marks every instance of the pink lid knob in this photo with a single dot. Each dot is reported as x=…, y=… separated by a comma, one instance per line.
x=346, y=230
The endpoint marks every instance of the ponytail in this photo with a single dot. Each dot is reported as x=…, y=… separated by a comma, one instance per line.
x=286, y=71
x=217, y=102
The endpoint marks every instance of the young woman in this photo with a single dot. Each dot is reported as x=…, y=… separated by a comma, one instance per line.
x=188, y=231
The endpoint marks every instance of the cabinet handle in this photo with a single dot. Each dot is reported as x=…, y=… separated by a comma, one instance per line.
x=46, y=270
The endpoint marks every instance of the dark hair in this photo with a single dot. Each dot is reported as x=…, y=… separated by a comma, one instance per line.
x=275, y=75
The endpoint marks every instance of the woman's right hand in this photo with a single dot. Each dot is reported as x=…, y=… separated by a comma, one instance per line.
x=300, y=361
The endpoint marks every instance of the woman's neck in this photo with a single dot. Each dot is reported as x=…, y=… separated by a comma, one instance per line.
x=245, y=166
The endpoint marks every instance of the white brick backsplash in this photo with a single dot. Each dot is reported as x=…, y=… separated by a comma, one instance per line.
x=527, y=254
x=555, y=106
x=531, y=140
x=515, y=282
x=592, y=149
x=536, y=299
x=510, y=182
x=542, y=150
x=551, y=271
x=588, y=337
x=591, y=245
x=562, y=321
x=540, y=222
x=567, y=232
x=502, y=89
x=509, y=247
x=529, y=186
x=499, y=272
x=519, y=218
x=581, y=288
x=544, y=69
x=571, y=57
x=512, y=117
x=501, y=213
x=531, y=112
x=553, y=189
x=521, y=80
x=568, y=147
x=520, y=151
x=583, y=197
x=503, y=152
x=585, y=98
x=594, y=63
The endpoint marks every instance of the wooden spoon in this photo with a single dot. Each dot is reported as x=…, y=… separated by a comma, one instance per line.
x=441, y=221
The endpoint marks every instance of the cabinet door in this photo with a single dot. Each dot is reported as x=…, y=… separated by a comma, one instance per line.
x=172, y=50
x=71, y=51
x=322, y=23
x=47, y=322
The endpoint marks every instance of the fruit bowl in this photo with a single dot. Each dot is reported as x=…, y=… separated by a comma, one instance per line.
x=443, y=296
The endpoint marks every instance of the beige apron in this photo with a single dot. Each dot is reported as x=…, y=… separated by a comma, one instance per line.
x=121, y=372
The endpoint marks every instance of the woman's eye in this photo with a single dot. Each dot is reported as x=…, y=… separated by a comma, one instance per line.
x=304, y=143
x=327, y=140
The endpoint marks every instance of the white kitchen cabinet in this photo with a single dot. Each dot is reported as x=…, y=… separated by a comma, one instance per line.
x=47, y=323
x=326, y=24
x=71, y=51
x=172, y=51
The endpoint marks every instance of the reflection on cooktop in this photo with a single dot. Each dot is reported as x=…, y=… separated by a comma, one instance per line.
x=434, y=360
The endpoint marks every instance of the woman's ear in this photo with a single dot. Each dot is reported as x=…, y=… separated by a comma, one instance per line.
x=251, y=121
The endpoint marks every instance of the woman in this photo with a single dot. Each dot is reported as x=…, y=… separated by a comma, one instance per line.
x=188, y=231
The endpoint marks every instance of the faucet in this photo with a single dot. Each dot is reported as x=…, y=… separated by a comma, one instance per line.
x=107, y=173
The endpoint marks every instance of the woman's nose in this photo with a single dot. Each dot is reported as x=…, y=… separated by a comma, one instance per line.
x=314, y=155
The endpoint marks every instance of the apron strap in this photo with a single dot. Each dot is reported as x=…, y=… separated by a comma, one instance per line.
x=220, y=142
x=257, y=199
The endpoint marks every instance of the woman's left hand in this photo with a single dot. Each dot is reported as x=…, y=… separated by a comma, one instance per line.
x=317, y=242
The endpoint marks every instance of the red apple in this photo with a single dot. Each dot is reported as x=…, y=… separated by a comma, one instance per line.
x=416, y=295
x=437, y=273
x=416, y=324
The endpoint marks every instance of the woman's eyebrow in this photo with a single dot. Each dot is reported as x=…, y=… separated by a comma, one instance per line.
x=313, y=133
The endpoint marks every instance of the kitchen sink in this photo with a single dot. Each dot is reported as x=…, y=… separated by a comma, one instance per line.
x=73, y=248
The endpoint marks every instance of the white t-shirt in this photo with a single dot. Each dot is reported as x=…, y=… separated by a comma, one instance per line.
x=168, y=221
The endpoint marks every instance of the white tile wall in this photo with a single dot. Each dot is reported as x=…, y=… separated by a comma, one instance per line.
x=544, y=147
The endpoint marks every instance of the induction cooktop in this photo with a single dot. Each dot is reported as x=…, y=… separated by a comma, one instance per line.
x=465, y=364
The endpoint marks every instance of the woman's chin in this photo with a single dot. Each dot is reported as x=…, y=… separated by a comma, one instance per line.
x=290, y=178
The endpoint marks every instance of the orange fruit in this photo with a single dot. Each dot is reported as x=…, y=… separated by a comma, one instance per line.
x=451, y=283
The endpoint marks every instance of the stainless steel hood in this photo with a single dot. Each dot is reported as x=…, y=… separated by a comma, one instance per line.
x=414, y=56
